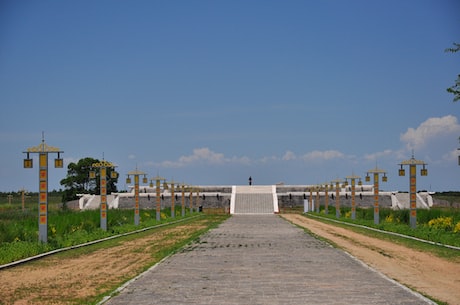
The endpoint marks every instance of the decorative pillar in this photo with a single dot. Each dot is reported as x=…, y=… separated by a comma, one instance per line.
x=337, y=197
x=353, y=178
x=317, y=198
x=173, y=211
x=190, y=194
x=376, y=171
x=197, y=200
x=183, y=199
x=326, y=198
x=102, y=166
x=136, y=173
x=157, y=180
x=43, y=150
x=412, y=162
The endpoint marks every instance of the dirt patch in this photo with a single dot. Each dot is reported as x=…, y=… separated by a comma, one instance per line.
x=424, y=272
x=79, y=279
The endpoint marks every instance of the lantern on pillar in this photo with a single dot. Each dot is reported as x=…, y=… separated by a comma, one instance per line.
x=402, y=171
x=28, y=162
x=424, y=171
x=58, y=162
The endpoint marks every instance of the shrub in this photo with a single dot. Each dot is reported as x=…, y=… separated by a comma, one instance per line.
x=389, y=218
x=441, y=223
x=457, y=227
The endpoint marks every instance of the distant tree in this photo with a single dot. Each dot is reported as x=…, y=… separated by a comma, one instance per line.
x=78, y=182
x=455, y=89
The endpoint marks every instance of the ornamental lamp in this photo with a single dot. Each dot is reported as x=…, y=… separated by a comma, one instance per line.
x=384, y=178
x=58, y=162
x=424, y=171
x=402, y=171
x=28, y=162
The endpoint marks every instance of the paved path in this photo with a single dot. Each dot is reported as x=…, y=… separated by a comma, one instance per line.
x=262, y=259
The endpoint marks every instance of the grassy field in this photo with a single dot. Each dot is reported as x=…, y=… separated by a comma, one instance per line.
x=440, y=225
x=19, y=226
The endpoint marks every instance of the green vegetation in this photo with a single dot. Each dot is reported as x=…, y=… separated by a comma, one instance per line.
x=19, y=229
x=78, y=179
x=12, y=201
x=436, y=225
x=455, y=88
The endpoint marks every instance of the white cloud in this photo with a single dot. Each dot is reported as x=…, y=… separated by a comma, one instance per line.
x=429, y=130
x=289, y=155
x=206, y=156
x=268, y=159
x=451, y=156
x=323, y=155
x=203, y=154
x=379, y=155
x=241, y=160
x=131, y=157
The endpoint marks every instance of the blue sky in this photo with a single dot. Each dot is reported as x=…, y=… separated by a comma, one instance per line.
x=212, y=92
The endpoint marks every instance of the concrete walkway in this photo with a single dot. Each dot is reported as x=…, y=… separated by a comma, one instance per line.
x=262, y=259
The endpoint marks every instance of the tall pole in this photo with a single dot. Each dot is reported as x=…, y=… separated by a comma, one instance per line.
x=353, y=178
x=191, y=199
x=43, y=150
x=317, y=198
x=102, y=166
x=197, y=200
x=376, y=199
x=337, y=197
x=136, y=173
x=23, y=199
x=43, y=199
x=326, y=198
x=158, y=199
x=311, y=199
x=158, y=196
x=103, y=190
x=173, y=211
x=376, y=172
x=412, y=162
x=183, y=199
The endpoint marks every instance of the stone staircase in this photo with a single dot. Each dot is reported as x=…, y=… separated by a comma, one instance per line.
x=254, y=200
x=402, y=201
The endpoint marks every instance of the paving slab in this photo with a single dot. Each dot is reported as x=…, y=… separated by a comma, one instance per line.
x=262, y=259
